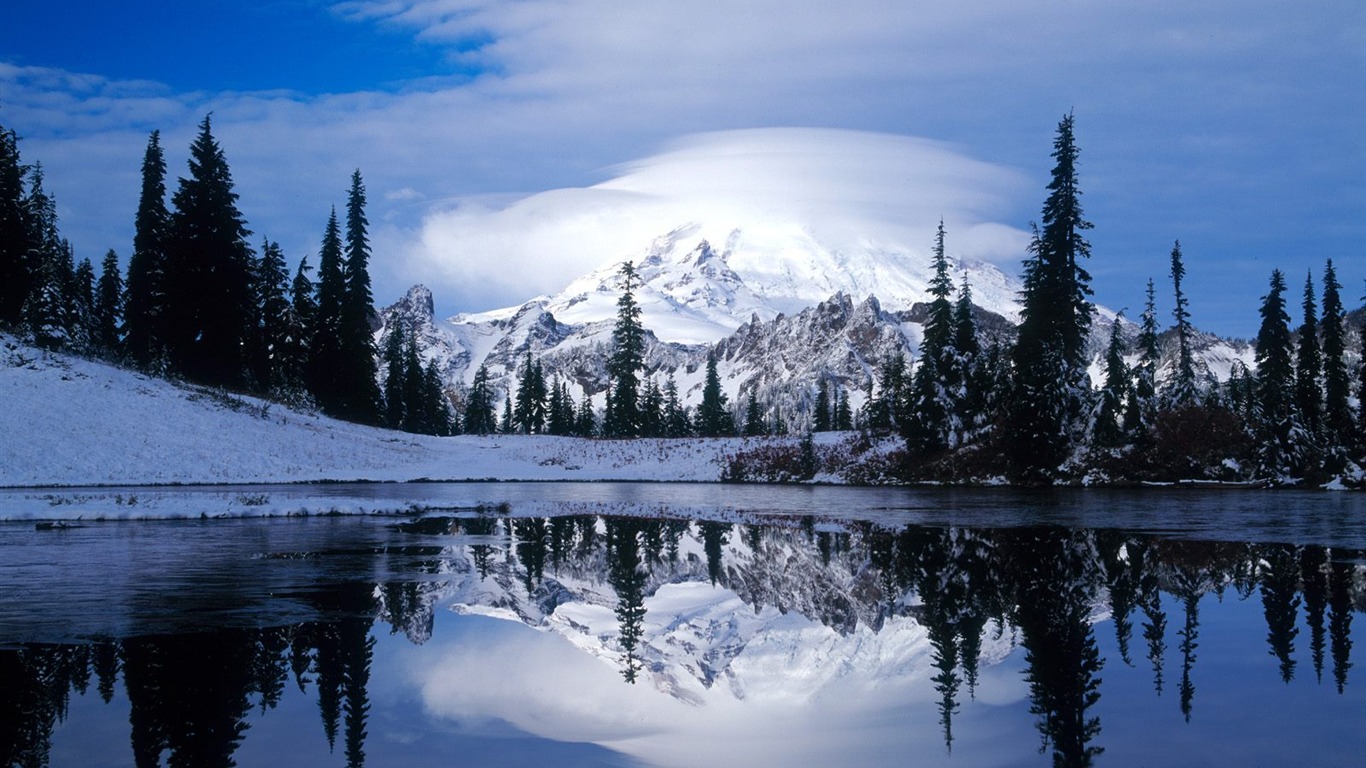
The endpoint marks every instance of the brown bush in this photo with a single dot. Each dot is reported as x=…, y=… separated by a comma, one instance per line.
x=1194, y=442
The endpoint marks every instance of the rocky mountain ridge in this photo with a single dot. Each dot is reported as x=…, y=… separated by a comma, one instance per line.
x=694, y=302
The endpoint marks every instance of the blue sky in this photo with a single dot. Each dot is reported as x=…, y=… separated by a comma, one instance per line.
x=1240, y=133
x=218, y=45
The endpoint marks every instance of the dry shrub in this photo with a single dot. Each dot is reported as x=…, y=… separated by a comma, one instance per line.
x=1193, y=442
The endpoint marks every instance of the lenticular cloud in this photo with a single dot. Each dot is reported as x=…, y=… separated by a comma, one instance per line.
x=850, y=190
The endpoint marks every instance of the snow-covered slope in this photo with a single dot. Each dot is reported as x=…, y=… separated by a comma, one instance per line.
x=70, y=421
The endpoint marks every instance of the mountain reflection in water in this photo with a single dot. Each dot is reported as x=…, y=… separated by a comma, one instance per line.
x=198, y=680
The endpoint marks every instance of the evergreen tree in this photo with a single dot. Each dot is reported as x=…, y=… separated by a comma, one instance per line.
x=145, y=303
x=208, y=270
x=754, y=416
x=930, y=424
x=554, y=408
x=939, y=326
x=675, y=415
x=561, y=420
x=50, y=300
x=844, y=415
x=47, y=315
x=965, y=341
x=1336, y=386
x=585, y=423
x=1241, y=392
x=1051, y=383
x=479, y=408
x=968, y=400
x=507, y=425
x=609, y=421
x=438, y=417
x=359, y=391
x=416, y=414
x=325, y=353
x=713, y=417
x=81, y=308
x=394, y=374
x=17, y=265
x=1182, y=388
x=529, y=412
x=272, y=350
x=884, y=409
x=1145, y=379
x=927, y=423
x=109, y=306
x=651, y=410
x=1107, y=429
x=1276, y=426
x=627, y=360
x=1309, y=364
x=820, y=419
x=302, y=317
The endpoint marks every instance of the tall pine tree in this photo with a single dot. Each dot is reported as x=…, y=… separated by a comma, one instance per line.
x=1309, y=364
x=1052, y=389
x=627, y=360
x=145, y=301
x=1145, y=373
x=50, y=303
x=1182, y=390
x=271, y=346
x=529, y=409
x=359, y=390
x=931, y=423
x=1107, y=429
x=303, y=313
x=1276, y=426
x=394, y=371
x=209, y=305
x=754, y=416
x=479, y=405
x=713, y=416
x=108, y=306
x=1337, y=414
x=821, y=411
x=325, y=354
x=970, y=399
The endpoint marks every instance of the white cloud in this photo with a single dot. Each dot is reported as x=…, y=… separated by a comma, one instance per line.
x=846, y=187
x=1178, y=105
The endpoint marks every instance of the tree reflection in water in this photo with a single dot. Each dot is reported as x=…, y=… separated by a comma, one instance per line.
x=192, y=695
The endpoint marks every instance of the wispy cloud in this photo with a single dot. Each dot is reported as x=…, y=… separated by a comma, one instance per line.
x=853, y=190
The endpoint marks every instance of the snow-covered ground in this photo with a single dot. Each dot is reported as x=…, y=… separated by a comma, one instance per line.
x=67, y=421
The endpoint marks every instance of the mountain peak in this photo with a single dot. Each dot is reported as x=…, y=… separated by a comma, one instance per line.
x=416, y=305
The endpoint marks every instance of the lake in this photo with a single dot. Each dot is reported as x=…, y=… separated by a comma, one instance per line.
x=622, y=624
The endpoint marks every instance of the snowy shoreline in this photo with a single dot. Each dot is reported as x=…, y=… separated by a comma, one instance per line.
x=72, y=423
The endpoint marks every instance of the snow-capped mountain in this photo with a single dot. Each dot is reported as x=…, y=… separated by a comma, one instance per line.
x=780, y=308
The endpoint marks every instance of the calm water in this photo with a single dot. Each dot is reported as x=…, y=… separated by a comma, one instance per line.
x=637, y=624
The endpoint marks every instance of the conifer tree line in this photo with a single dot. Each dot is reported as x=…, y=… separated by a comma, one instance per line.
x=200, y=301
x=1026, y=409
x=1032, y=413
